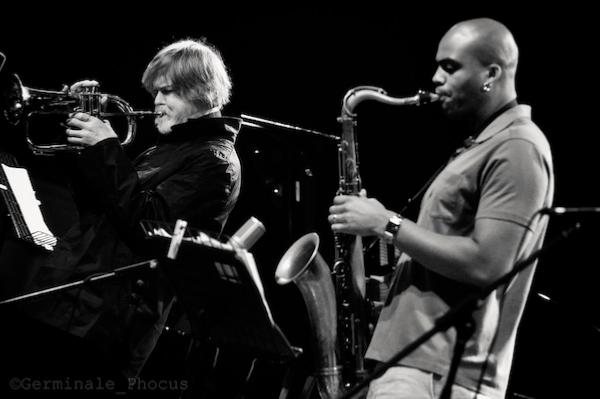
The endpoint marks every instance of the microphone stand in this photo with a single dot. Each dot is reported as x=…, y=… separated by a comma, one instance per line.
x=465, y=326
x=460, y=313
x=90, y=279
x=258, y=122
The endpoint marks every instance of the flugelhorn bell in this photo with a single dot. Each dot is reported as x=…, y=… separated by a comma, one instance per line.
x=20, y=103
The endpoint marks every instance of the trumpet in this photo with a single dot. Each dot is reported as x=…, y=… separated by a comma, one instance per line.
x=21, y=103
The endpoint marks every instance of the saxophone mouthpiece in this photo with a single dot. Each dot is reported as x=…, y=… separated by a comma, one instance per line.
x=426, y=97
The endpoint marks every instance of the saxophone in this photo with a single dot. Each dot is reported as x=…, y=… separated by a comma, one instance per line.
x=348, y=270
x=335, y=301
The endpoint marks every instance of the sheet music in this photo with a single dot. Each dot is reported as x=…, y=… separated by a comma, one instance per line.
x=20, y=186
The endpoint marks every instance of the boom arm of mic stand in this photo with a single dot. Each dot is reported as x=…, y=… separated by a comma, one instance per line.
x=92, y=278
x=458, y=312
x=256, y=122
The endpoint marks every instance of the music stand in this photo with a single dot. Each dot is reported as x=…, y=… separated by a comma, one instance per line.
x=218, y=280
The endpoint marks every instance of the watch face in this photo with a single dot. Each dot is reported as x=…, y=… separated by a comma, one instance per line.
x=396, y=220
x=392, y=228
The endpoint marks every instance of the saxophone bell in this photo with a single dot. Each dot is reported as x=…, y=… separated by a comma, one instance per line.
x=303, y=265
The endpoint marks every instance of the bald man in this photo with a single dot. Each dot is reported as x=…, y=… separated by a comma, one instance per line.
x=476, y=221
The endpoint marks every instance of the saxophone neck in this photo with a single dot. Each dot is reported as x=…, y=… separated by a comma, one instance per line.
x=362, y=93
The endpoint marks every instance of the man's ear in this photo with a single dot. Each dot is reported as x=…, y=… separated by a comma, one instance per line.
x=494, y=73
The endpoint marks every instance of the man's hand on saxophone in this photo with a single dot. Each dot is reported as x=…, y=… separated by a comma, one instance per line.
x=358, y=215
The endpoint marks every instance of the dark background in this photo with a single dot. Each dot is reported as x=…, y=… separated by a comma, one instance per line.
x=295, y=68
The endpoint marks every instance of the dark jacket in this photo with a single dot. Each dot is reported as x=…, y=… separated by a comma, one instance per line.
x=193, y=173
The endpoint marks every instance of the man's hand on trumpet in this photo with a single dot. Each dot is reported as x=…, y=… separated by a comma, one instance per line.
x=82, y=85
x=87, y=130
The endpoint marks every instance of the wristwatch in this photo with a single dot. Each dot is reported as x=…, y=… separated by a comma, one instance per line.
x=392, y=227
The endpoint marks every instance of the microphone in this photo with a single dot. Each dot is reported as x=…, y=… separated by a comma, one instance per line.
x=249, y=233
x=559, y=210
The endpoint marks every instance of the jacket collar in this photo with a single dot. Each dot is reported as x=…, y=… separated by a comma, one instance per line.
x=208, y=126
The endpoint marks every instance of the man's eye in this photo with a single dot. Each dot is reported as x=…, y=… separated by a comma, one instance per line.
x=448, y=67
x=163, y=90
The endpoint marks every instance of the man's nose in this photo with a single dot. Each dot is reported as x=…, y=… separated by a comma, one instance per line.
x=159, y=98
x=438, y=77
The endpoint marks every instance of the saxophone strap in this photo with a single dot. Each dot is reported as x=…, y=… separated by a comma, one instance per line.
x=465, y=145
x=423, y=188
